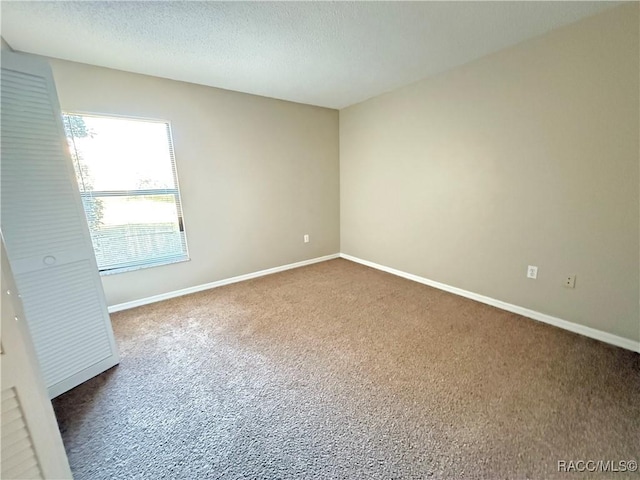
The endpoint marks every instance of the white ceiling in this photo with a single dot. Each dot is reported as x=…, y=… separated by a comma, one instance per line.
x=332, y=54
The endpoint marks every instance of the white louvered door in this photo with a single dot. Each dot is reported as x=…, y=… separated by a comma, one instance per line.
x=45, y=231
x=31, y=443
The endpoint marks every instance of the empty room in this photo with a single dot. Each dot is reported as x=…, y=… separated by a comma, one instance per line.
x=332, y=240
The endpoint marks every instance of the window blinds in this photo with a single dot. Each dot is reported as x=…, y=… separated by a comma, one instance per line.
x=126, y=173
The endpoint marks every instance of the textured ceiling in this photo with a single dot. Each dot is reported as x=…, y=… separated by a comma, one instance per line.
x=331, y=54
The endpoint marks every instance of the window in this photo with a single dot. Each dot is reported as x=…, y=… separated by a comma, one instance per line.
x=127, y=177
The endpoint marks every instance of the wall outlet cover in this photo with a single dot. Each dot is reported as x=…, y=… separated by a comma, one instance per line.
x=570, y=281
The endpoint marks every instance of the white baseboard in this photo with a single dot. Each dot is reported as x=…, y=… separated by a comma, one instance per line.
x=219, y=283
x=525, y=312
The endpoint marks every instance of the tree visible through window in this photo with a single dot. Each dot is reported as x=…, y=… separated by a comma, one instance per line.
x=128, y=183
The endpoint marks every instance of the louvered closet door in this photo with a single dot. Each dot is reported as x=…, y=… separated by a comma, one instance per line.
x=46, y=234
x=31, y=443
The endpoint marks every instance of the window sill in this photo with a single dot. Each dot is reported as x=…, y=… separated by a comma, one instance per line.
x=115, y=271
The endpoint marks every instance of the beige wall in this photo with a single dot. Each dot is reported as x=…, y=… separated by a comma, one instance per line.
x=527, y=156
x=255, y=174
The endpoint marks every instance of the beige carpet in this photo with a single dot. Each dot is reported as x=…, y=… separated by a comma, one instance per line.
x=339, y=371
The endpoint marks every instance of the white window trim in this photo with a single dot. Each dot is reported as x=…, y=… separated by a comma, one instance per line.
x=158, y=262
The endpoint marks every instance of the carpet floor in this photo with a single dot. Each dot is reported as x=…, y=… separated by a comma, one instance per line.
x=340, y=371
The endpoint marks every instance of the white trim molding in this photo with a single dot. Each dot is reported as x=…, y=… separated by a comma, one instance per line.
x=227, y=281
x=525, y=312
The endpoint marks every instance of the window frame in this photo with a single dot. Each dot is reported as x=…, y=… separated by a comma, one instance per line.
x=138, y=192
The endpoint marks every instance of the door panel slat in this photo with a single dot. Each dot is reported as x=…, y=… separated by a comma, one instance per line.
x=42, y=216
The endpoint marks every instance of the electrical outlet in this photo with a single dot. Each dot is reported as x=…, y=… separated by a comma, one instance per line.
x=306, y=238
x=570, y=281
x=532, y=272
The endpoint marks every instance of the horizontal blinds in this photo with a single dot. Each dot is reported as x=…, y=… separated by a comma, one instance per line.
x=129, y=191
